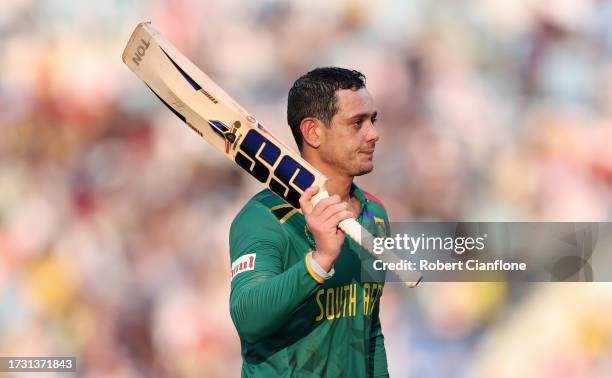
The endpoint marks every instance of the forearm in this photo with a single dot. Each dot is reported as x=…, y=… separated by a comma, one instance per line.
x=262, y=305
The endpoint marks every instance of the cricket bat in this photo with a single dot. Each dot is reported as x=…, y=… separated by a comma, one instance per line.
x=209, y=111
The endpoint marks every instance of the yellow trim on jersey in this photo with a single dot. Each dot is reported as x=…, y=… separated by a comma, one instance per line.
x=288, y=215
x=311, y=271
x=280, y=206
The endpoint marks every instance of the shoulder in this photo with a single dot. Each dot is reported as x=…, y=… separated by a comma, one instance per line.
x=376, y=207
x=260, y=216
x=374, y=203
x=376, y=211
x=258, y=208
x=371, y=197
x=256, y=228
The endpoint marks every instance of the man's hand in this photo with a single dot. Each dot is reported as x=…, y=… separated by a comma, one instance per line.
x=323, y=220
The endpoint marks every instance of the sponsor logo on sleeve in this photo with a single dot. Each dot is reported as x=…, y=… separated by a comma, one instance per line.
x=243, y=263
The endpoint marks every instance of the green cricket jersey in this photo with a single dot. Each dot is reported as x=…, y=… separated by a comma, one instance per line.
x=291, y=322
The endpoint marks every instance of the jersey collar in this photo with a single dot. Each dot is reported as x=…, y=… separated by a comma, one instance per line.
x=364, y=214
x=357, y=193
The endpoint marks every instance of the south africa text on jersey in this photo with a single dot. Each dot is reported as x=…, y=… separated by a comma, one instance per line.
x=341, y=301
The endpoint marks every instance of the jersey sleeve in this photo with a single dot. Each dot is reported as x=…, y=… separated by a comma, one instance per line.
x=263, y=295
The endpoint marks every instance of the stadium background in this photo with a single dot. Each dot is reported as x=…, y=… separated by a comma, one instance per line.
x=114, y=216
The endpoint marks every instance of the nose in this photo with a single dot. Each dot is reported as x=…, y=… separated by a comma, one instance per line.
x=372, y=135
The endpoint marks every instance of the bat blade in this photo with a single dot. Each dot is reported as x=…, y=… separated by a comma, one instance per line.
x=199, y=102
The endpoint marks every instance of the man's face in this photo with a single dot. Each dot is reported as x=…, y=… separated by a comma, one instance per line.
x=349, y=143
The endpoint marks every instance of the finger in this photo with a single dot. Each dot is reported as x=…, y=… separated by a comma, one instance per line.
x=331, y=210
x=306, y=199
x=339, y=234
x=338, y=217
x=324, y=204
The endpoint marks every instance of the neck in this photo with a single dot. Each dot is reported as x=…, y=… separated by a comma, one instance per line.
x=337, y=183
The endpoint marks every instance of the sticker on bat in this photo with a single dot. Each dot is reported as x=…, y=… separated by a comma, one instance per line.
x=230, y=136
x=288, y=180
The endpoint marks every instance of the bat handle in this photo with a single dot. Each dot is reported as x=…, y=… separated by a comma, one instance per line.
x=354, y=230
x=322, y=194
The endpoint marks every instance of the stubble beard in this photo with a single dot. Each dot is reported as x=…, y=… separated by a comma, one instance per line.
x=364, y=170
x=350, y=166
x=358, y=169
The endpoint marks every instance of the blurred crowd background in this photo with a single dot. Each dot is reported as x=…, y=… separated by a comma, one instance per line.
x=114, y=217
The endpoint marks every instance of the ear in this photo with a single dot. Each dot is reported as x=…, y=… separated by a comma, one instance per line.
x=311, y=131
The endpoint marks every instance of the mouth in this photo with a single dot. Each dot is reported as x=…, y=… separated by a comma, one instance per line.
x=367, y=151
